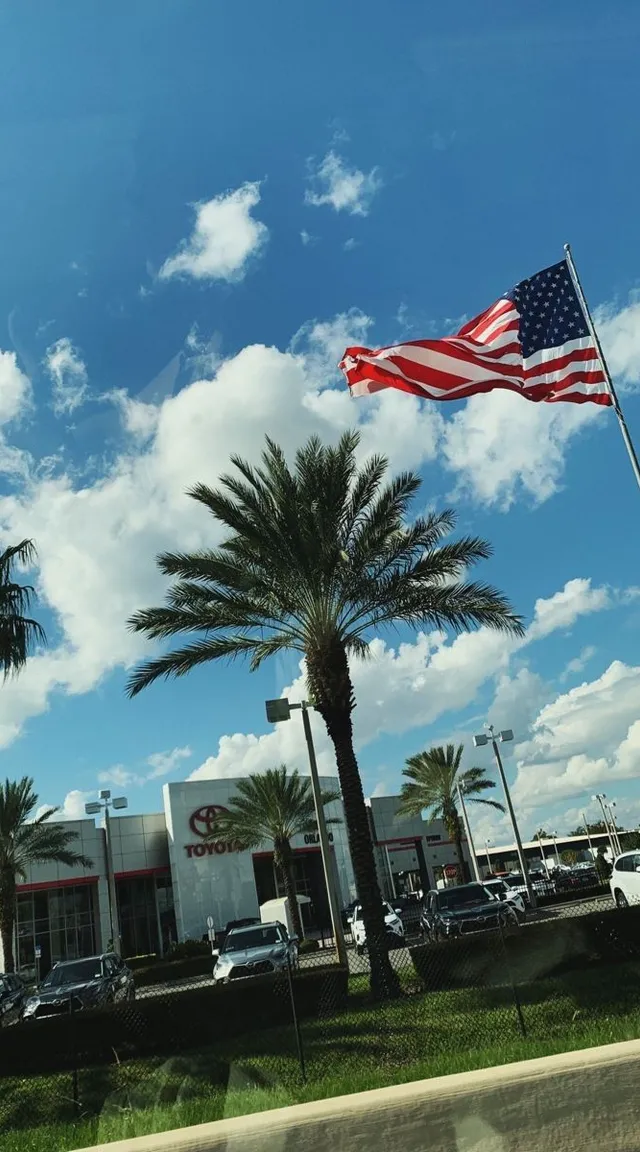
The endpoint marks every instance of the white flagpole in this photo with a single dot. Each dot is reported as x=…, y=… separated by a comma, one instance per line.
x=635, y=463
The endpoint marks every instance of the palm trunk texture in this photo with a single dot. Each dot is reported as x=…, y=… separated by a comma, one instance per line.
x=332, y=691
x=284, y=864
x=7, y=905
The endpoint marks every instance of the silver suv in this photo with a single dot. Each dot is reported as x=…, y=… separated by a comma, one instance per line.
x=255, y=951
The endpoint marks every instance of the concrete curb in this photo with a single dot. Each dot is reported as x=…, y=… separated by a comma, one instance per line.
x=587, y=1101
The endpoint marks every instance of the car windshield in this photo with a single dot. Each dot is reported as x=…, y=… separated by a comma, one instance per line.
x=463, y=897
x=75, y=973
x=252, y=938
x=494, y=886
x=515, y=881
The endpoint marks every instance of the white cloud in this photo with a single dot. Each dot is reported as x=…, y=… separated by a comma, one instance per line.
x=157, y=765
x=502, y=446
x=560, y=611
x=619, y=331
x=584, y=738
x=344, y=188
x=579, y=662
x=224, y=238
x=307, y=238
x=72, y=807
x=15, y=388
x=350, y=244
x=68, y=373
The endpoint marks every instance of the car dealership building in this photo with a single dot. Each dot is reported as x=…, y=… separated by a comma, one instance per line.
x=172, y=873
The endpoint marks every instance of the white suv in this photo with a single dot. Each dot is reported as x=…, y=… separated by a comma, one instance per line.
x=393, y=926
x=625, y=879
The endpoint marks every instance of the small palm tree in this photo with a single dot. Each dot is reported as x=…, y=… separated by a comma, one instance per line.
x=432, y=782
x=18, y=633
x=313, y=558
x=24, y=841
x=274, y=806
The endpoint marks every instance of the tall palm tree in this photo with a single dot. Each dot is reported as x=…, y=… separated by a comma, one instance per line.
x=313, y=558
x=25, y=840
x=432, y=783
x=274, y=806
x=18, y=632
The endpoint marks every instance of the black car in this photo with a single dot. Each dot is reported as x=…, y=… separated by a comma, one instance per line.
x=72, y=985
x=409, y=909
x=462, y=911
x=12, y=996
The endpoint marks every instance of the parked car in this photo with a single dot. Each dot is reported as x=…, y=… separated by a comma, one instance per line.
x=256, y=950
x=463, y=910
x=394, y=928
x=408, y=906
x=541, y=885
x=625, y=879
x=12, y=997
x=72, y=985
x=501, y=891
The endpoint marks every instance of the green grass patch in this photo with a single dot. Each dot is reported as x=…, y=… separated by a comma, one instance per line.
x=367, y=1046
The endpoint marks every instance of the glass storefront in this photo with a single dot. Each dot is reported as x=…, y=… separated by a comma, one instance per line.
x=147, y=919
x=60, y=920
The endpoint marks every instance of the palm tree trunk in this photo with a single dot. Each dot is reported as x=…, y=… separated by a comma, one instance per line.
x=283, y=858
x=332, y=691
x=462, y=864
x=7, y=916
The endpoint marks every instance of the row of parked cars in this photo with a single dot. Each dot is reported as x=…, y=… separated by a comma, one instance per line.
x=70, y=986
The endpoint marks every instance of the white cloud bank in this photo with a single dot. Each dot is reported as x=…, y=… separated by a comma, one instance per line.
x=225, y=237
x=341, y=187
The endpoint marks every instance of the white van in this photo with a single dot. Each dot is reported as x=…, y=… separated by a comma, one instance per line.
x=625, y=879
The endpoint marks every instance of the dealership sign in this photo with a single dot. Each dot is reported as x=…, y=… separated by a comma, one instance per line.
x=202, y=823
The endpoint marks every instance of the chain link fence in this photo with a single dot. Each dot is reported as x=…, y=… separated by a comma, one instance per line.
x=184, y=1050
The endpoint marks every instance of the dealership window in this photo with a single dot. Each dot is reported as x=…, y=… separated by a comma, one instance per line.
x=147, y=918
x=60, y=920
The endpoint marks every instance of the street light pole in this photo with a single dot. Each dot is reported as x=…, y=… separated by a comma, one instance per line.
x=554, y=837
x=103, y=805
x=281, y=710
x=467, y=828
x=586, y=828
x=544, y=859
x=479, y=742
x=601, y=797
x=486, y=845
x=610, y=805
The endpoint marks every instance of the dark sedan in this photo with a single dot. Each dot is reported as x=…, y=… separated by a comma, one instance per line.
x=12, y=996
x=72, y=985
x=461, y=911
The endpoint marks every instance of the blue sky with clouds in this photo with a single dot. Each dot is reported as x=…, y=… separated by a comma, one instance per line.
x=200, y=206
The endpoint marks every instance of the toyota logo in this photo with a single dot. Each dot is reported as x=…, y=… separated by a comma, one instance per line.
x=203, y=821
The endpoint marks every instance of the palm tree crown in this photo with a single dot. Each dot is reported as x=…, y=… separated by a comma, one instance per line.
x=24, y=841
x=274, y=806
x=312, y=559
x=18, y=632
x=432, y=782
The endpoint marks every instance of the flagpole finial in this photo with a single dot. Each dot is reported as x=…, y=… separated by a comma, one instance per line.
x=567, y=248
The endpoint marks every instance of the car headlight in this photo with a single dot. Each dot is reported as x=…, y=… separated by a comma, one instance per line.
x=31, y=1006
x=222, y=965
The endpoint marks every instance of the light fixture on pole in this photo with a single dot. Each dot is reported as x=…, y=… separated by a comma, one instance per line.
x=601, y=797
x=554, y=837
x=278, y=710
x=504, y=736
x=486, y=845
x=467, y=829
x=610, y=805
x=544, y=859
x=103, y=805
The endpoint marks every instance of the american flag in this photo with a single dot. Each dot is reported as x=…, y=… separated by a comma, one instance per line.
x=534, y=340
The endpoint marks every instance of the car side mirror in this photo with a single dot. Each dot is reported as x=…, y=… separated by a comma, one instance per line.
x=215, y=953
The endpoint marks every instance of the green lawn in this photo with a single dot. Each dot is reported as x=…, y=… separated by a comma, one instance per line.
x=365, y=1047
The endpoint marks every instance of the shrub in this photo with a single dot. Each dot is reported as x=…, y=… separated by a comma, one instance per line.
x=184, y=1020
x=136, y=962
x=531, y=953
x=167, y=971
x=189, y=948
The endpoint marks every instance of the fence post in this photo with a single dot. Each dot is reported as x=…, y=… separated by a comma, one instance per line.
x=74, y=1059
x=514, y=990
x=296, y=1023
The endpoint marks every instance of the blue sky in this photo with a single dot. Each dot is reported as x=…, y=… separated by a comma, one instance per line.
x=199, y=208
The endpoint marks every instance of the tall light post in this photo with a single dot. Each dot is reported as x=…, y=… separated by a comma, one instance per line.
x=103, y=805
x=504, y=736
x=486, y=847
x=278, y=710
x=586, y=828
x=554, y=837
x=467, y=828
x=610, y=805
x=601, y=797
x=544, y=859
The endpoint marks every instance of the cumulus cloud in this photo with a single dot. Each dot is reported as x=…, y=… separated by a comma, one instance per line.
x=619, y=331
x=225, y=237
x=68, y=374
x=579, y=662
x=15, y=388
x=560, y=611
x=343, y=188
x=501, y=446
x=157, y=765
x=72, y=807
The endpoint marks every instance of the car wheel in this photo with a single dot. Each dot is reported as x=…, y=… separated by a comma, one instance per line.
x=621, y=899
